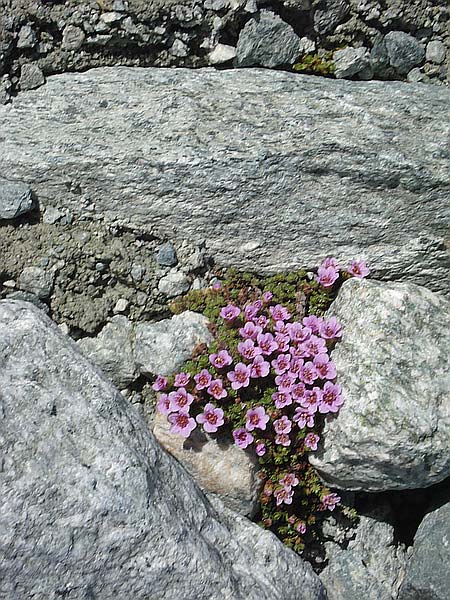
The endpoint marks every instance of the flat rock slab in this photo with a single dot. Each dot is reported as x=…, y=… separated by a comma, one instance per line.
x=92, y=507
x=393, y=431
x=274, y=170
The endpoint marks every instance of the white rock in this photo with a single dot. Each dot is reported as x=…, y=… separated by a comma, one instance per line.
x=222, y=53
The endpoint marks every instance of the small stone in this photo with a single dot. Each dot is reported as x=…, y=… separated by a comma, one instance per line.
x=179, y=49
x=37, y=281
x=251, y=6
x=435, y=52
x=267, y=41
x=73, y=38
x=404, y=51
x=416, y=76
x=5, y=89
x=215, y=4
x=221, y=54
x=51, y=215
x=174, y=283
x=110, y=18
x=64, y=328
x=350, y=61
x=166, y=256
x=161, y=348
x=121, y=306
x=10, y=283
x=15, y=199
x=120, y=6
x=31, y=77
x=26, y=38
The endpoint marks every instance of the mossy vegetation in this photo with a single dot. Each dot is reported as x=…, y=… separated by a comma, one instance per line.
x=316, y=64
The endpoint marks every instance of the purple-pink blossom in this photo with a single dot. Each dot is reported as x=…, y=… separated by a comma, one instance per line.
x=182, y=423
x=256, y=418
x=315, y=345
x=326, y=276
x=216, y=389
x=298, y=391
x=331, y=398
x=262, y=321
x=308, y=373
x=282, y=342
x=230, y=312
x=324, y=367
x=298, y=333
x=259, y=368
x=281, y=363
x=182, y=379
x=300, y=527
x=283, y=495
x=248, y=350
x=250, y=331
x=330, y=261
x=311, y=441
x=289, y=480
x=295, y=367
x=211, y=418
x=303, y=418
x=282, y=425
x=202, y=379
x=221, y=359
x=267, y=343
x=282, y=399
x=331, y=329
x=160, y=384
x=163, y=404
x=267, y=297
x=180, y=399
x=279, y=313
x=240, y=377
x=312, y=399
x=260, y=449
x=313, y=323
x=251, y=310
x=242, y=437
x=285, y=382
x=358, y=269
x=329, y=501
x=283, y=439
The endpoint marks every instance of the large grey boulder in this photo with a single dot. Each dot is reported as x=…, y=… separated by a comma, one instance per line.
x=393, y=431
x=93, y=507
x=427, y=573
x=275, y=170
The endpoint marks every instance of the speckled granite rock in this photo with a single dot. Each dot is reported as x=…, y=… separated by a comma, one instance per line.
x=93, y=507
x=180, y=153
x=393, y=431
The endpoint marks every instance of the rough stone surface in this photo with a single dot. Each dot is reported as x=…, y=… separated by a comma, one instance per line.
x=112, y=351
x=393, y=431
x=222, y=53
x=216, y=464
x=108, y=513
x=350, y=61
x=174, y=283
x=435, y=52
x=267, y=41
x=427, y=570
x=162, y=347
x=371, y=567
x=37, y=281
x=31, y=77
x=330, y=151
x=166, y=257
x=329, y=13
x=404, y=51
x=15, y=199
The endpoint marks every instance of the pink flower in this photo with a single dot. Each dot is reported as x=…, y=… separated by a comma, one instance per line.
x=242, y=437
x=261, y=321
x=256, y=418
x=267, y=297
x=283, y=425
x=311, y=441
x=180, y=400
x=315, y=345
x=182, y=424
x=298, y=333
x=330, y=262
x=282, y=342
x=250, y=331
x=282, y=399
x=289, y=480
x=298, y=391
x=163, y=404
x=301, y=527
x=329, y=501
x=331, y=329
x=259, y=368
x=312, y=399
x=283, y=439
x=308, y=373
x=279, y=313
x=283, y=495
x=282, y=327
x=326, y=276
x=202, y=379
x=324, y=367
x=285, y=382
x=217, y=285
x=216, y=390
x=211, y=418
x=303, y=418
x=267, y=343
x=251, y=310
x=281, y=363
x=160, y=384
x=230, y=312
x=182, y=379
x=220, y=360
x=331, y=398
x=260, y=449
x=240, y=377
x=248, y=349
x=358, y=269
x=313, y=323
x=295, y=367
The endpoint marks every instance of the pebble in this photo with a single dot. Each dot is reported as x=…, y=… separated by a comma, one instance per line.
x=121, y=306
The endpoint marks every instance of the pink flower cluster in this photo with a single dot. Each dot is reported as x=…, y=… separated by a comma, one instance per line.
x=328, y=271
x=284, y=493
